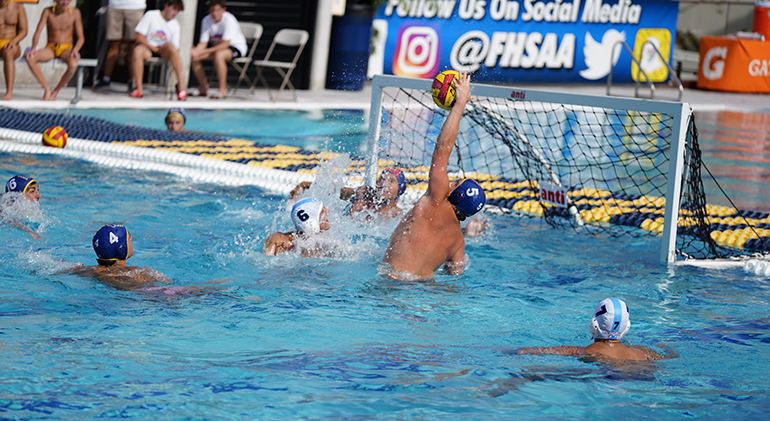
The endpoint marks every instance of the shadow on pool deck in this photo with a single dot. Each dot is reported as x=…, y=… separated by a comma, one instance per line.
x=28, y=98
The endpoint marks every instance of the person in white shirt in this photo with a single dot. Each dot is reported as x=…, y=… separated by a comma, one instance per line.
x=158, y=34
x=122, y=18
x=221, y=40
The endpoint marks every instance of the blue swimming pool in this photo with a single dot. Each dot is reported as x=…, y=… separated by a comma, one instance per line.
x=333, y=130
x=328, y=338
x=734, y=144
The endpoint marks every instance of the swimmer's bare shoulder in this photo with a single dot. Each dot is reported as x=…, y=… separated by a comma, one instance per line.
x=618, y=351
x=128, y=278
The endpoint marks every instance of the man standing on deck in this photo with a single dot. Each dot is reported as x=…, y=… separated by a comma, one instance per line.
x=430, y=235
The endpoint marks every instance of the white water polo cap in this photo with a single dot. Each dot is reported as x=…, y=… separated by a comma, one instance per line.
x=611, y=319
x=306, y=215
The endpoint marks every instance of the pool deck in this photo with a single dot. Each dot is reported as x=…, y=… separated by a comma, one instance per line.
x=28, y=98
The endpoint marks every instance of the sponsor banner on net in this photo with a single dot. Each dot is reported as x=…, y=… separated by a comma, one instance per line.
x=530, y=40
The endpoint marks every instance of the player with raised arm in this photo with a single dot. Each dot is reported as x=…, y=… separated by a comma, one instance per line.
x=430, y=235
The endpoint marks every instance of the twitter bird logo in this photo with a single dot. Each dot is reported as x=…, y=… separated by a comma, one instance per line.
x=597, y=55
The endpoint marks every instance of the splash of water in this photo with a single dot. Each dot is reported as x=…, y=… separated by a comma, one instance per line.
x=15, y=207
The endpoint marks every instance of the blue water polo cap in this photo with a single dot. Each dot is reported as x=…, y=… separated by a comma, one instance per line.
x=400, y=177
x=179, y=112
x=111, y=242
x=19, y=183
x=468, y=197
x=611, y=319
x=306, y=215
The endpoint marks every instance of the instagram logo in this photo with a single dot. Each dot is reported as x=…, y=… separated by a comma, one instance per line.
x=417, y=52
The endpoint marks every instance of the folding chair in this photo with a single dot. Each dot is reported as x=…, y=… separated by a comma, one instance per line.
x=165, y=79
x=252, y=32
x=288, y=38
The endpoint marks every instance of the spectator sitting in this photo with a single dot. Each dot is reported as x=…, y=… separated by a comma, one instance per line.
x=122, y=18
x=60, y=20
x=13, y=29
x=221, y=40
x=157, y=35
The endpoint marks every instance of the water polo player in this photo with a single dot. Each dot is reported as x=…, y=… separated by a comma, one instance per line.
x=610, y=322
x=23, y=185
x=310, y=217
x=176, y=119
x=379, y=201
x=113, y=245
x=430, y=234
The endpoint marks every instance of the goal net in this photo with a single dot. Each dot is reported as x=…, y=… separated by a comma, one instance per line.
x=599, y=165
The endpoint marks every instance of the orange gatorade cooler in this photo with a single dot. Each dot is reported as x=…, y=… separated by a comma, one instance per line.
x=762, y=19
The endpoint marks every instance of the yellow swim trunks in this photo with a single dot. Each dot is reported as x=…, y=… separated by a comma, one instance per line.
x=58, y=48
x=3, y=42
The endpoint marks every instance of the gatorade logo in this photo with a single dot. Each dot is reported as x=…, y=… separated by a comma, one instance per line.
x=714, y=63
x=759, y=68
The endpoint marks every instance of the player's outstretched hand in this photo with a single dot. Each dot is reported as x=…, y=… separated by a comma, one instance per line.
x=463, y=89
x=476, y=227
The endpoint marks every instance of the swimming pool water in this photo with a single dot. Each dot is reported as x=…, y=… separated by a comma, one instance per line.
x=327, y=338
x=333, y=130
x=734, y=144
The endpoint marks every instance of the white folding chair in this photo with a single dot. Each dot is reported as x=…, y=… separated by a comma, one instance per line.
x=252, y=32
x=292, y=38
x=166, y=72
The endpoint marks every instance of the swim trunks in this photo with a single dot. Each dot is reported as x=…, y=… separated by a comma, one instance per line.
x=165, y=290
x=58, y=48
x=3, y=42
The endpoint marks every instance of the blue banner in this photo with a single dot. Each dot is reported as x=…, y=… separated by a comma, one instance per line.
x=510, y=41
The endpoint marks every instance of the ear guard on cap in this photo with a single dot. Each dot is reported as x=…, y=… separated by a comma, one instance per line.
x=306, y=215
x=178, y=112
x=400, y=177
x=111, y=242
x=468, y=197
x=19, y=183
x=611, y=320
